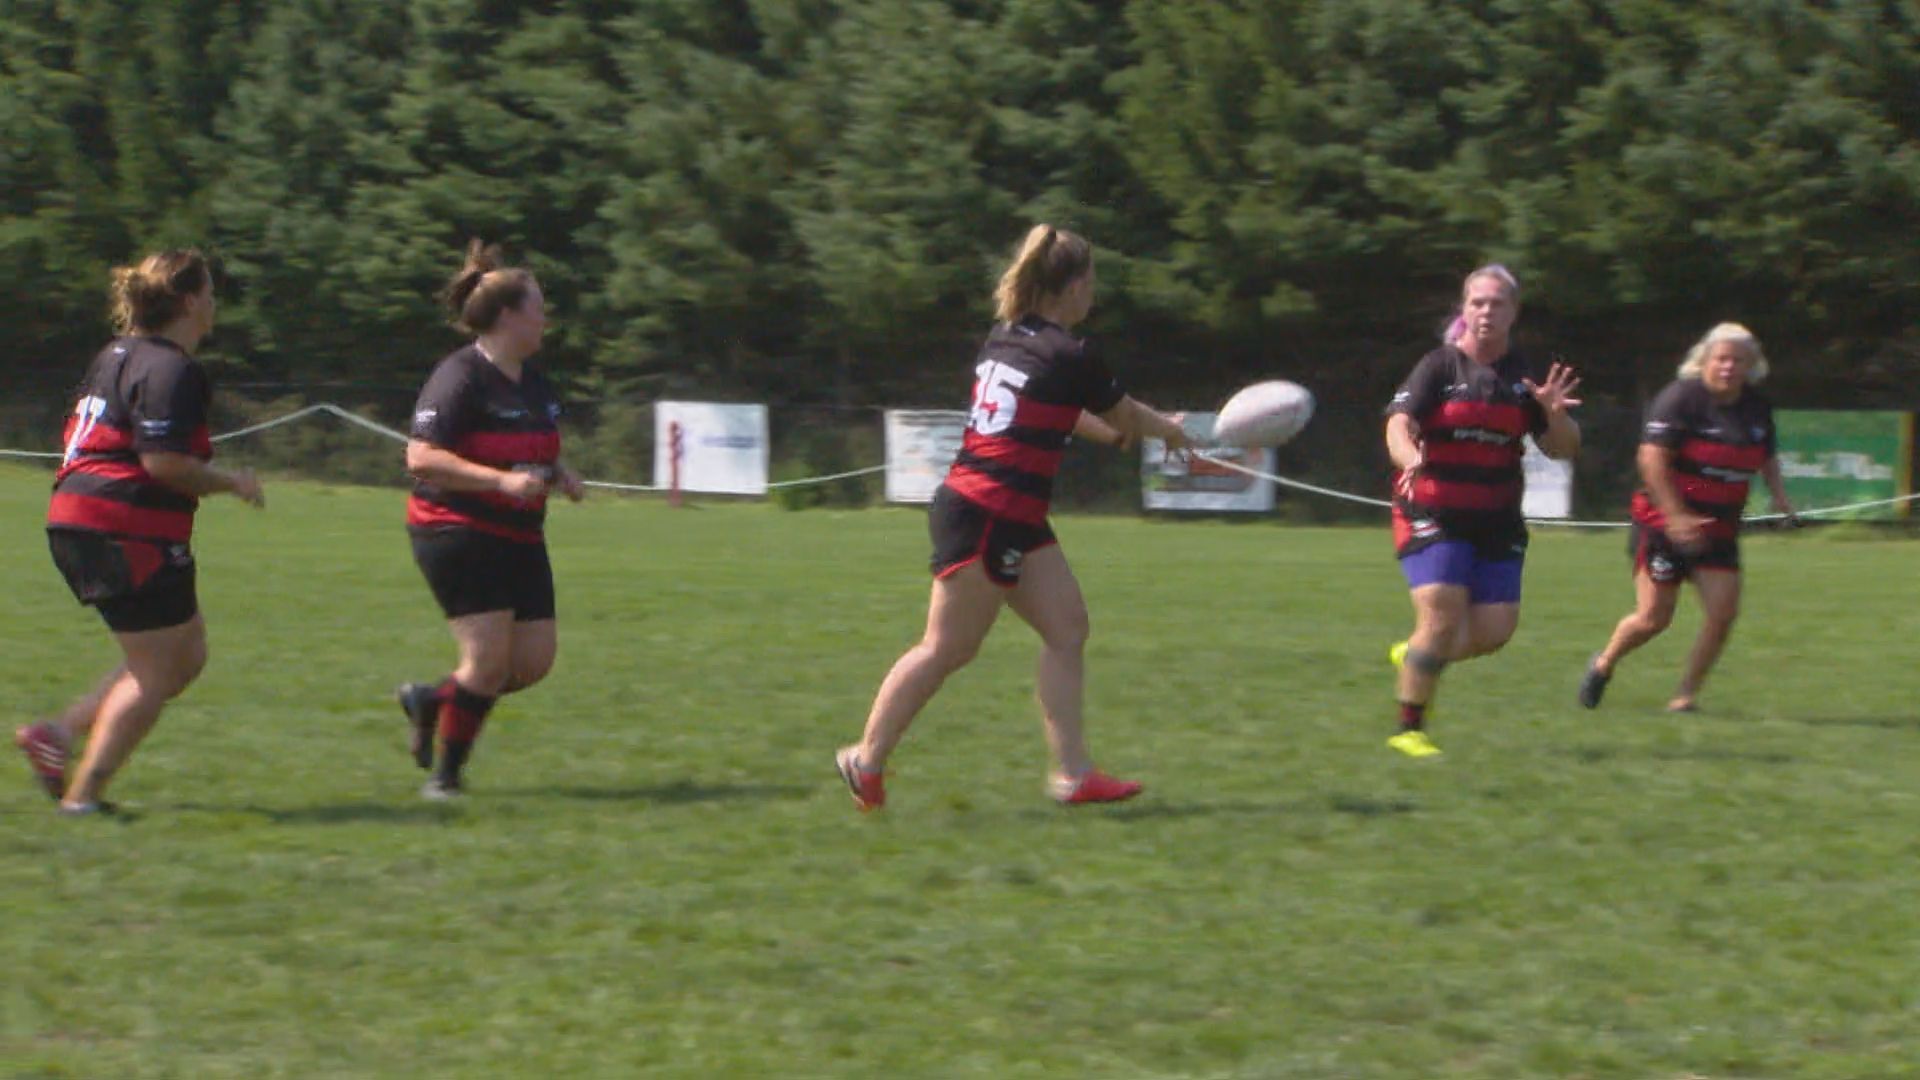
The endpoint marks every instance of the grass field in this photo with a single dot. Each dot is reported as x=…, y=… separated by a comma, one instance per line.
x=659, y=874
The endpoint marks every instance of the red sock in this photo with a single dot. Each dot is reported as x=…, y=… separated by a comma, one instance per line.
x=462, y=714
x=1412, y=717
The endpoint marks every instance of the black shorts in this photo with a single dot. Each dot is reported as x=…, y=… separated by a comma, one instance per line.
x=1656, y=553
x=471, y=572
x=965, y=532
x=135, y=585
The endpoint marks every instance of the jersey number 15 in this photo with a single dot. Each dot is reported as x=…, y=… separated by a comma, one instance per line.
x=995, y=397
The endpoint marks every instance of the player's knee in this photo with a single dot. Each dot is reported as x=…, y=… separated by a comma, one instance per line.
x=489, y=675
x=1069, y=634
x=950, y=653
x=168, y=674
x=526, y=673
x=190, y=662
x=1442, y=629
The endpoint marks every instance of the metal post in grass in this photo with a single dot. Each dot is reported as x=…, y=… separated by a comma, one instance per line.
x=674, y=451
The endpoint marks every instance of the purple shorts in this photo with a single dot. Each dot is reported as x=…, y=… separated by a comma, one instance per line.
x=1456, y=562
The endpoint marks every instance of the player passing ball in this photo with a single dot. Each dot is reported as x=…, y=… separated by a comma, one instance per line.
x=1706, y=435
x=1456, y=432
x=1035, y=384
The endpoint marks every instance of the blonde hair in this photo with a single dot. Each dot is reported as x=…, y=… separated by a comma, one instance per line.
x=1048, y=262
x=149, y=295
x=1726, y=331
x=484, y=289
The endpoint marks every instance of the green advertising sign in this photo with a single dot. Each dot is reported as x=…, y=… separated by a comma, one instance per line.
x=1841, y=458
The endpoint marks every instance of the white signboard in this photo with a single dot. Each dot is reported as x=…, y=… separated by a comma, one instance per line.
x=1549, y=485
x=1181, y=483
x=921, y=445
x=723, y=448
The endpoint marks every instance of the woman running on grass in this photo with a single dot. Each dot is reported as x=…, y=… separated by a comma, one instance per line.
x=1706, y=435
x=1456, y=432
x=485, y=450
x=120, y=524
x=992, y=546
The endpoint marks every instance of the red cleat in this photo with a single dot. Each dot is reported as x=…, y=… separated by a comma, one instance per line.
x=868, y=786
x=46, y=754
x=1094, y=787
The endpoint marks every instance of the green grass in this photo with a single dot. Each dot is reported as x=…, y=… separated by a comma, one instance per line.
x=659, y=874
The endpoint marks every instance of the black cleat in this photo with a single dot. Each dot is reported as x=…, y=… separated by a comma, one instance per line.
x=1594, y=686
x=421, y=703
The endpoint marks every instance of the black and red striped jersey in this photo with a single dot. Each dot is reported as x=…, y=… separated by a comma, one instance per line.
x=1717, y=447
x=1474, y=419
x=140, y=395
x=1031, y=383
x=471, y=408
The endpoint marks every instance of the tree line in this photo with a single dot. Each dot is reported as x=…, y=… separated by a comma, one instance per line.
x=806, y=200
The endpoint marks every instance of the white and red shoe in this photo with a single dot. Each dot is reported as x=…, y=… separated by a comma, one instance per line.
x=46, y=749
x=1093, y=786
x=867, y=786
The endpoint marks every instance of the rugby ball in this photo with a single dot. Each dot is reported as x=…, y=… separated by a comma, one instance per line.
x=1264, y=414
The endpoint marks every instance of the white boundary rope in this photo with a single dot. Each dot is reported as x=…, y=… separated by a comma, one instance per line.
x=1563, y=523
x=868, y=471
x=357, y=420
x=1298, y=485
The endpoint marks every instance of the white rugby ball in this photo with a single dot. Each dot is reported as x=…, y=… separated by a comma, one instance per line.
x=1264, y=414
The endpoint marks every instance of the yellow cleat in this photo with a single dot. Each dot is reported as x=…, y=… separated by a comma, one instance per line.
x=1414, y=744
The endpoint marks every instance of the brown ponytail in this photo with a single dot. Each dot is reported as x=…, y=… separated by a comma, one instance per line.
x=483, y=289
x=148, y=296
x=1048, y=262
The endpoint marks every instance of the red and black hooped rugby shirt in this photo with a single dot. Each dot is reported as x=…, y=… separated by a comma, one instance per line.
x=140, y=395
x=1716, y=450
x=1031, y=383
x=1474, y=419
x=469, y=407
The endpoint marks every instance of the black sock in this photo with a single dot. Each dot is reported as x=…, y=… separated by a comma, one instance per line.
x=1412, y=717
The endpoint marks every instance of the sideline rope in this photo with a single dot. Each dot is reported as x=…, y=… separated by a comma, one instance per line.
x=1298, y=485
x=1564, y=523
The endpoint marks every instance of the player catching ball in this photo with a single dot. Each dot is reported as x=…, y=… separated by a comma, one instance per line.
x=137, y=462
x=1706, y=435
x=1034, y=385
x=485, y=450
x=1455, y=432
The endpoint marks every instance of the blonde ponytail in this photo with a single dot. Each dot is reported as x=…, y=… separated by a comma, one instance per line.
x=1048, y=262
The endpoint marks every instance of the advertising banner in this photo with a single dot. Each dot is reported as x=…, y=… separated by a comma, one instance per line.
x=723, y=448
x=1185, y=484
x=1835, y=458
x=921, y=444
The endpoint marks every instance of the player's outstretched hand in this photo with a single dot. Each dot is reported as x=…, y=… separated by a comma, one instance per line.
x=1556, y=394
